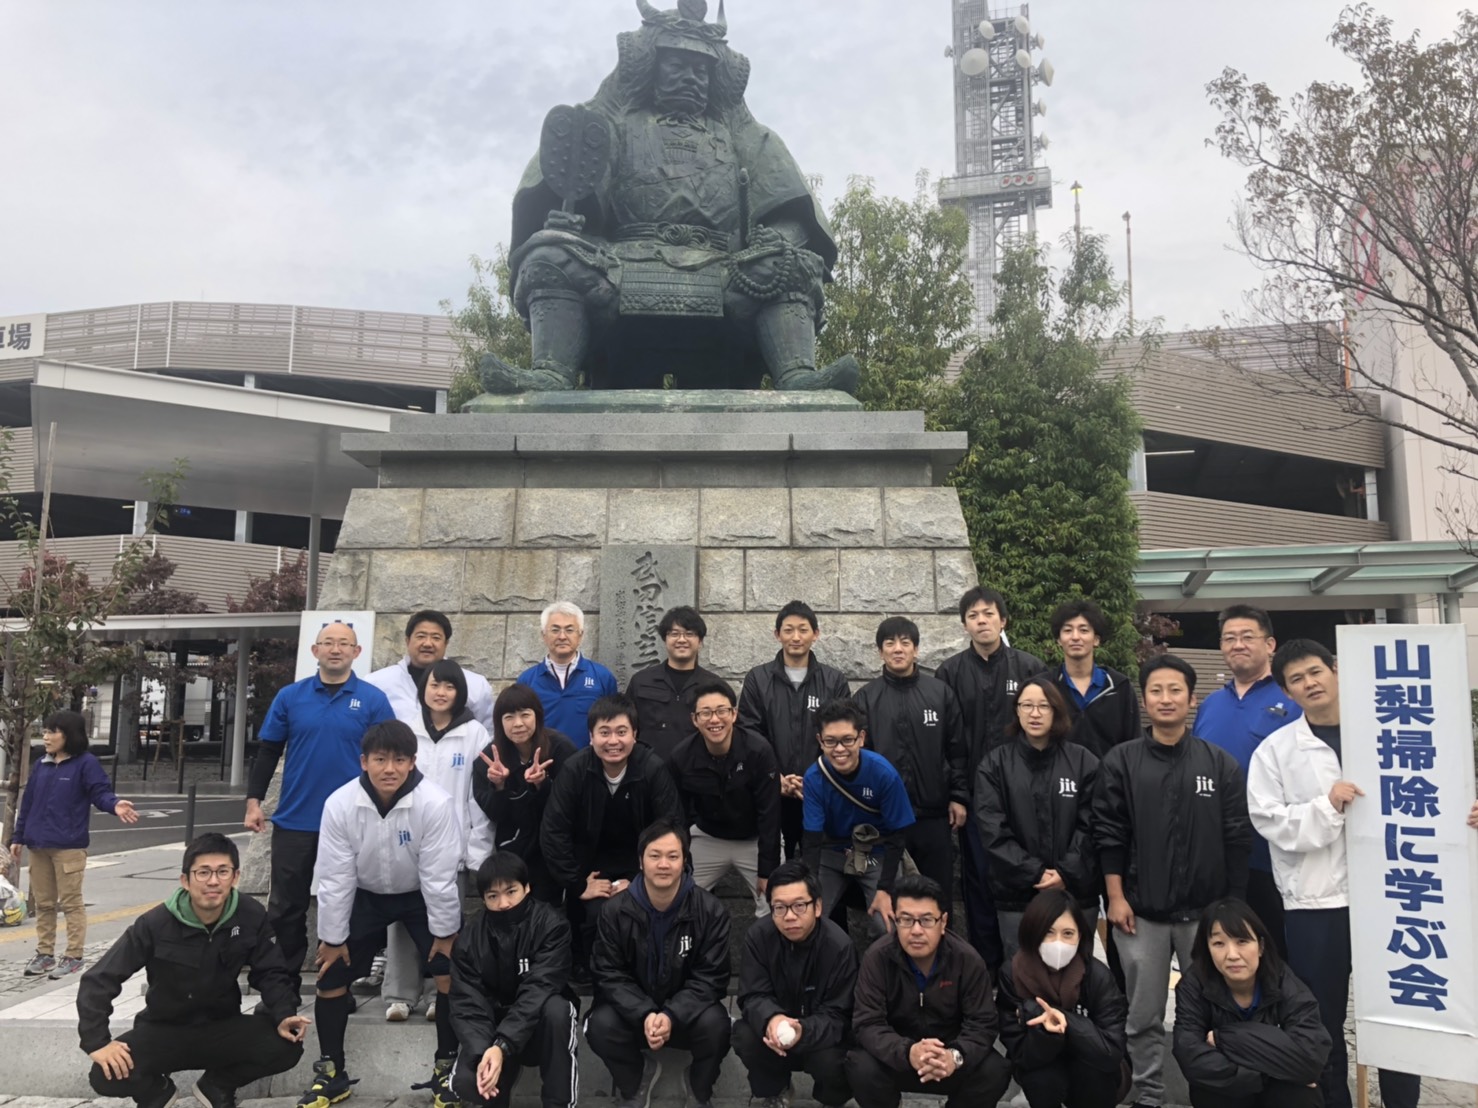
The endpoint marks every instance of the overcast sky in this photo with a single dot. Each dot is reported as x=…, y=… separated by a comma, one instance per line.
x=354, y=154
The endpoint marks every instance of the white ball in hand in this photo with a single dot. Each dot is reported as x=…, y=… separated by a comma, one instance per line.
x=785, y=1035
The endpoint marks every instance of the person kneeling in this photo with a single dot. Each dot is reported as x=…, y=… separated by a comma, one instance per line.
x=661, y=969
x=924, y=1021
x=511, y=1000
x=1062, y=1015
x=194, y=947
x=1247, y=1030
x=795, y=993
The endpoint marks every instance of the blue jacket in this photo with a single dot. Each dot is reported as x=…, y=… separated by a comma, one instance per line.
x=565, y=709
x=54, y=813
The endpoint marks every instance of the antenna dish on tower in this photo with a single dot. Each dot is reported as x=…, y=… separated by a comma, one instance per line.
x=974, y=62
x=987, y=30
x=1023, y=25
x=1046, y=71
x=1023, y=59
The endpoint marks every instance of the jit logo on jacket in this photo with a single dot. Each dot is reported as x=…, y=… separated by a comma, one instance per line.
x=1205, y=786
x=1066, y=786
x=931, y=717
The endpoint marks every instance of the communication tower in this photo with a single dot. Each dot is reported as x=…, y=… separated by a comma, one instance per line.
x=998, y=181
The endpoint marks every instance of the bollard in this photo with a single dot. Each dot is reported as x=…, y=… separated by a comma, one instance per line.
x=190, y=816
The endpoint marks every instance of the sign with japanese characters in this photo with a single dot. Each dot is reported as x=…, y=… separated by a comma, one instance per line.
x=1407, y=733
x=363, y=625
x=22, y=336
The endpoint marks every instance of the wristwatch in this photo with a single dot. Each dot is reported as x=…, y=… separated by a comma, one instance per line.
x=958, y=1057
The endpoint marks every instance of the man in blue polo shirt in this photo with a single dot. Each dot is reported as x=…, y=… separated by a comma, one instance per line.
x=568, y=683
x=1104, y=702
x=855, y=813
x=318, y=722
x=1237, y=718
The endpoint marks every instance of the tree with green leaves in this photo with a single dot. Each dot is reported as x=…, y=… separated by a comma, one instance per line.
x=486, y=324
x=901, y=300
x=1045, y=487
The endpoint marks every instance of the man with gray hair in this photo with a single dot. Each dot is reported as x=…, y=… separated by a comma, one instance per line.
x=566, y=682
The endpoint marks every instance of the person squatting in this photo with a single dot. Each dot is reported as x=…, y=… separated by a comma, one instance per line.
x=595, y=855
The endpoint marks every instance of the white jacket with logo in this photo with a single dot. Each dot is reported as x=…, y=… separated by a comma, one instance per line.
x=399, y=687
x=416, y=845
x=451, y=763
x=1288, y=787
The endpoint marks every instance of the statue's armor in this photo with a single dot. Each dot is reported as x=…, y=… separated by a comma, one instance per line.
x=675, y=171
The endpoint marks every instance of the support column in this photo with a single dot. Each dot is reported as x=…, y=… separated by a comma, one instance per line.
x=238, y=721
x=1452, y=607
x=315, y=540
x=243, y=526
x=1139, y=480
x=143, y=511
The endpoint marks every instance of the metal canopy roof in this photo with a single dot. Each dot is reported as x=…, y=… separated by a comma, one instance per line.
x=207, y=626
x=1369, y=570
x=248, y=449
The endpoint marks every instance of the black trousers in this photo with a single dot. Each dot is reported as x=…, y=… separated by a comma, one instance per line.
x=1275, y=1094
x=1264, y=898
x=293, y=855
x=930, y=844
x=232, y=1052
x=980, y=907
x=619, y=1044
x=769, y=1073
x=1068, y=1083
x=554, y=1048
x=792, y=826
x=1319, y=952
x=980, y=1083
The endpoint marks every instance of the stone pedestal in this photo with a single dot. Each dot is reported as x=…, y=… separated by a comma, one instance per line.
x=492, y=517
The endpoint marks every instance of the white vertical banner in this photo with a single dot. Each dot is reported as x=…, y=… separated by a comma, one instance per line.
x=1407, y=737
x=363, y=624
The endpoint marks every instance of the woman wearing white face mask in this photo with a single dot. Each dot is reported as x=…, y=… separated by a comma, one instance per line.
x=1247, y=1030
x=1061, y=1015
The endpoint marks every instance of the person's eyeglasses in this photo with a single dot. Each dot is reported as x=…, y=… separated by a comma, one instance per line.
x=1034, y=709
x=222, y=874
x=832, y=744
x=1246, y=638
x=799, y=908
x=703, y=715
x=341, y=644
x=679, y=633
x=908, y=923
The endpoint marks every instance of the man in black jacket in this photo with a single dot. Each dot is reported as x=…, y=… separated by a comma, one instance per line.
x=779, y=703
x=730, y=788
x=795, y=994
x=1170, y=817
x=597, y=808
x=923, y=1016
x=661, y=967
x=194, y=947
x=664, y=693
x=985, y=678
x=1103, y=702
x=511, y=999
x=914, y=721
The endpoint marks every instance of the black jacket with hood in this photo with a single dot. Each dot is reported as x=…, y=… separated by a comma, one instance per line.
x=785, y=716
x=192, y=969
x=915, y=723
x=1034, y=810
x=1283, y=1038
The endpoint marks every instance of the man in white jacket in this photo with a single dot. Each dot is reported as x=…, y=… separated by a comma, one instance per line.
x=388, y=852
x=428, y=633
x=1298, y=800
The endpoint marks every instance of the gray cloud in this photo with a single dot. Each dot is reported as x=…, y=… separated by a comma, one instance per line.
x=353, y=155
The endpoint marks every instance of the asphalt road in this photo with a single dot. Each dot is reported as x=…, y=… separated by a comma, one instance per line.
x=162, y=820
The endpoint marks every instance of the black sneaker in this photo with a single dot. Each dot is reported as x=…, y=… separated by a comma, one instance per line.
x=329, y=1086
x=163, y=1095
x=212, y=1095
x=441, y=1085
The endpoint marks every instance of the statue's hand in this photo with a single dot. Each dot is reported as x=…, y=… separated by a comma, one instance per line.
x=565, y=221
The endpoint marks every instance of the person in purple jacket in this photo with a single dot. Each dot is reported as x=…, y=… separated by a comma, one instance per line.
x=52, y=823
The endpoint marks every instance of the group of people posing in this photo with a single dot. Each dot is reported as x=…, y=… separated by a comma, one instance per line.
x=593, y=826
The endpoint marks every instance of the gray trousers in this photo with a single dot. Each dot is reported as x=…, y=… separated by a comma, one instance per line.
x=404, y=980
x=1011, y=924
x=1145, y=956
x=834, y=883
x=712, y=858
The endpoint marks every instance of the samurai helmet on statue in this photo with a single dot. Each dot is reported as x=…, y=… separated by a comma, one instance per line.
x=684, y=28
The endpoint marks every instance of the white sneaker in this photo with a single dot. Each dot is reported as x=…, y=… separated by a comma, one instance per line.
x=431, y=1010
x=397, y=1011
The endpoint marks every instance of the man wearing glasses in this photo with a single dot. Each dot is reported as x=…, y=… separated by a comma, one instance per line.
x=319, y=723
x=664, y=694
x=924, y=1018
x=729, y=782
x=194, y=947
x=795, y=995
x=856, y=814
x=1237, y=718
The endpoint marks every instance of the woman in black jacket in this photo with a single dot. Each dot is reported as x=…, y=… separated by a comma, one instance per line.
x=1033, y=799
x=1247, y=1030
x=1061, y=1014
x=519, y=766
